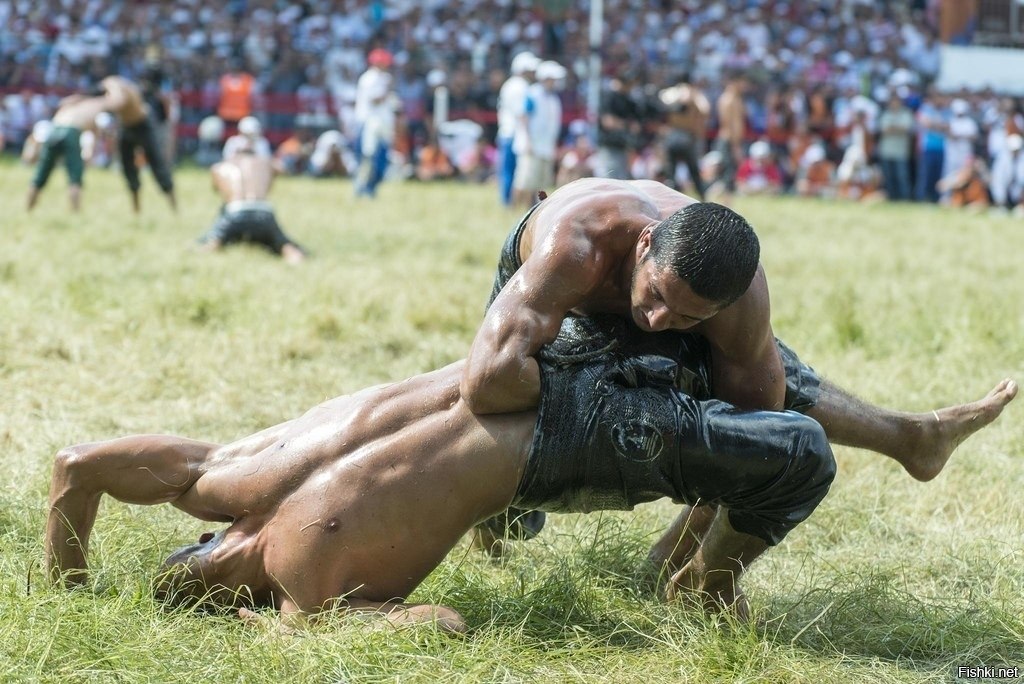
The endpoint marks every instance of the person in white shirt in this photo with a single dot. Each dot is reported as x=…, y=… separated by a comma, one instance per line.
x=375, y=121
x=329, y=154
x=537, y=133
x=963, y=131
x=511, y=99
x=250, y=137
x=1007, y=184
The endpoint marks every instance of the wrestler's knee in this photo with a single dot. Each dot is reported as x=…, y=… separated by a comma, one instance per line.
x=814, y=459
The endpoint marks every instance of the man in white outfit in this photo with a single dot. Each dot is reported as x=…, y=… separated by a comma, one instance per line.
x=1008, y=174
x=375, y=121
x=963, y=131
x=511, y=100
x=537, y=133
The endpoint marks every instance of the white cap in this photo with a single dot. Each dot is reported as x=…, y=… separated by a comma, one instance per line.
x=250, y=126
x=211, y=129
x=959, y=107
x=1015, y=142
x=549, y=69
x=523, y=62
x=436, y=77
x=760, y=149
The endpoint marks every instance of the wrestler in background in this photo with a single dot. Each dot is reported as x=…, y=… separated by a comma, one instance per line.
x=243, y=182
x=75, y=115
x=124, y=100
x=682, y=134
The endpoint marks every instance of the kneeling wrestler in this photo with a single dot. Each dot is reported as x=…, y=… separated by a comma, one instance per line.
x=243, y=182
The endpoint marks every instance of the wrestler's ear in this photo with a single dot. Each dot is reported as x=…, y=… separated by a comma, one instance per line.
x=643, y=244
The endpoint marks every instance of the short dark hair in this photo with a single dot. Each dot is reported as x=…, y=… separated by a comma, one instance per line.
x=711, y=248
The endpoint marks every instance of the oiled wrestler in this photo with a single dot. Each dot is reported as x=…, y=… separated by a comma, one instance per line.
x=354, y=503
x=243, y=181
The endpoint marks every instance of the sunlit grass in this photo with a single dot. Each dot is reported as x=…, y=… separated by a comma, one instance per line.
x=109, y=325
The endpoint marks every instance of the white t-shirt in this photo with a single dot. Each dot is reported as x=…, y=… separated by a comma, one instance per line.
x=543, y=112
x=371, y=87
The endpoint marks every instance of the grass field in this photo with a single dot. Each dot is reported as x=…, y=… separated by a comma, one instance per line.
x=109, y=326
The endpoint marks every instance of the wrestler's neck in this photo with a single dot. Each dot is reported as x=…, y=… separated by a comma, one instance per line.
x=615, y=297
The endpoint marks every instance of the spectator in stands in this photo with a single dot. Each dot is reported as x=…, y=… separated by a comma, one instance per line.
x=578, y=160
x=237, y=88
x=250, y=138
x=816, y=174
x=537, y=134
x=1008, y=174
x=375, y=109
x=856, y=176
x=511, y=102
x=961, y=135
x=759, y=174
x=432, y=163
x=967, y=186
x=896, y=124
x=328, y=157
x=292, y=155
x=931, y=125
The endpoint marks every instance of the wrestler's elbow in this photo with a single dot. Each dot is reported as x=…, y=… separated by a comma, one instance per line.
x=69, y=467
x=479, y=396
x=497, y=390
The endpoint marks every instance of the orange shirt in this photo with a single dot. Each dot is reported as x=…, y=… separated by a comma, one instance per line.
x=235, y=96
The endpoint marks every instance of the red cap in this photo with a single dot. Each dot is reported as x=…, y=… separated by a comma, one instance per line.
x=380, y=57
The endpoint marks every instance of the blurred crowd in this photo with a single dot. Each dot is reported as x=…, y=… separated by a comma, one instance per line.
x=836, y=94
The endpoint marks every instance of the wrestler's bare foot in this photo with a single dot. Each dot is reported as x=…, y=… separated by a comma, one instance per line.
x=938, y=434
x=680, y=542
x=716, y=592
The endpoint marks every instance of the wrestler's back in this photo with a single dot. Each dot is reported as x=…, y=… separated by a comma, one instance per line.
x=604, y=208
x=365, y=494
x=80, y=114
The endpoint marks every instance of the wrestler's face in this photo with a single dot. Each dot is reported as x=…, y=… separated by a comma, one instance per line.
x=661, y=300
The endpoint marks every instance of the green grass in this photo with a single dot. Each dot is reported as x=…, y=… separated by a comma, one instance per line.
x=109, y=326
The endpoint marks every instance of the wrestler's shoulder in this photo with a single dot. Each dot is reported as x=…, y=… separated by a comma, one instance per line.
x=595, y=204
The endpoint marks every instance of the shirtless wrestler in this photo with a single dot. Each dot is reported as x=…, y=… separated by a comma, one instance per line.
x=351, y=505
x=124, y=100
x=75, y=115
x=687, y=110
x=663, y=262
x=243, y=182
